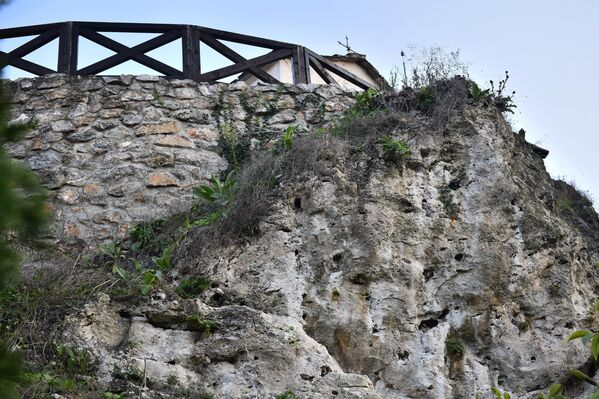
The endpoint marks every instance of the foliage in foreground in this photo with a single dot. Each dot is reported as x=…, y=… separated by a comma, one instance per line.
x=22, y=213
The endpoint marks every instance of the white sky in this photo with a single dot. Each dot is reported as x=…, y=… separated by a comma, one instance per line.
x=550, y=48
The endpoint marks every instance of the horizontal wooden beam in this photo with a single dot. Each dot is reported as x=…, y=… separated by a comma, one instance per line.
x=245, y=39
x=27, y=30
x=125, y=27
x=237, y=68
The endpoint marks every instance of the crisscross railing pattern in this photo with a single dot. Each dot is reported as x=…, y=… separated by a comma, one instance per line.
x=68, y=33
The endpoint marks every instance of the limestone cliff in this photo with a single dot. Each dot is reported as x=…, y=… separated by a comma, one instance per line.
x=438, y=274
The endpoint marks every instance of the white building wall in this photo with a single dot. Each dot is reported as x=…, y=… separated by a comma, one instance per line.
x=283, y=71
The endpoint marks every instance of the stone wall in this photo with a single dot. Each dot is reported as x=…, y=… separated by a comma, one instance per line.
x=117, y=150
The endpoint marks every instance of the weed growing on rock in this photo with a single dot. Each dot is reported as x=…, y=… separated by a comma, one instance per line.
x=289, y=394
x=286, y=141
x=230, y=144
x=394, y=149
x=479, y=94
x=504, y=102
x=195, y=323
x=557, y=392
x=33, y=316
x=499, y=395
x=218, y=195
x=217, y=192
x=172, y=380
x=425, y=98
x=455, y=347
x=157, y=96
x=191, y=288
x=144, y=234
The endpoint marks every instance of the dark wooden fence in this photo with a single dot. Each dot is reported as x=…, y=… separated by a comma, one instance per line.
x=68, y=34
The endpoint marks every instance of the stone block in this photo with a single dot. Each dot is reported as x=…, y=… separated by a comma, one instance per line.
x=158, y=128
x=161, y=179
x=174, y=141
x=62, y=126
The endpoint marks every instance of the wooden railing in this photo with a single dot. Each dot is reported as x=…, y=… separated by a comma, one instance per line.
x=68, y=34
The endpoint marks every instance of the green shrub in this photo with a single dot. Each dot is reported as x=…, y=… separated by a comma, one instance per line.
x=478, y=94
x=365, y=103
x=287, y=139
x=425, y=98
x=499, y=395
x=289, y=394
x=504, y=102
x=556, y=392
x=217, y=192
x=144, y=234
x=394, y=149
x=203, y=325
x=191, y=288
x=455, y=347
x=75, y=361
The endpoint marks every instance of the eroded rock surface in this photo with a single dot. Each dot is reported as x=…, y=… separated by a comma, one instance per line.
x=440, y=276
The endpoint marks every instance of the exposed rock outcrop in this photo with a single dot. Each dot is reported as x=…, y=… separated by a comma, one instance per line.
x=440, y=275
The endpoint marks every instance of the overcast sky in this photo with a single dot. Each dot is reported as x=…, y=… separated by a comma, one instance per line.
x=550, y=48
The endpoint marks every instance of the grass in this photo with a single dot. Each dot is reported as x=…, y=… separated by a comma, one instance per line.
x=32, y=316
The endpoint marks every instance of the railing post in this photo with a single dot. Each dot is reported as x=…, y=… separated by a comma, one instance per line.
x=190, y=40
x=67, y=48
x=298, y=60
x=306, y=66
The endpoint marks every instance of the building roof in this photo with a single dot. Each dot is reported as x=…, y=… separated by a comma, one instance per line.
x=361, y=60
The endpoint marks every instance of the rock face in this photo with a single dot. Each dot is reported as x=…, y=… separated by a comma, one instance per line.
x=440, y=276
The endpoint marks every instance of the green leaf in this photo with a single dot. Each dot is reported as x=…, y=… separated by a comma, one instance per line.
x=496, y=392
x=149, y=277
x=507, y=395
x=124, y=274
x=581, y=376
x=578, y=334
x=145, y=289
x=555, y=390
x=595, y=346
x=137, y=265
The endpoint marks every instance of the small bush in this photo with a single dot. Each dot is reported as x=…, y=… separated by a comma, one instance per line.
x=203, y=325
x=144, y=234
x=191, y=288
x=217, y=192
x=479, y=94
x=556, y=392
x=499, y=395
x=502, y=101
x=455, y=347
x=394, y=149
x=289, y=394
